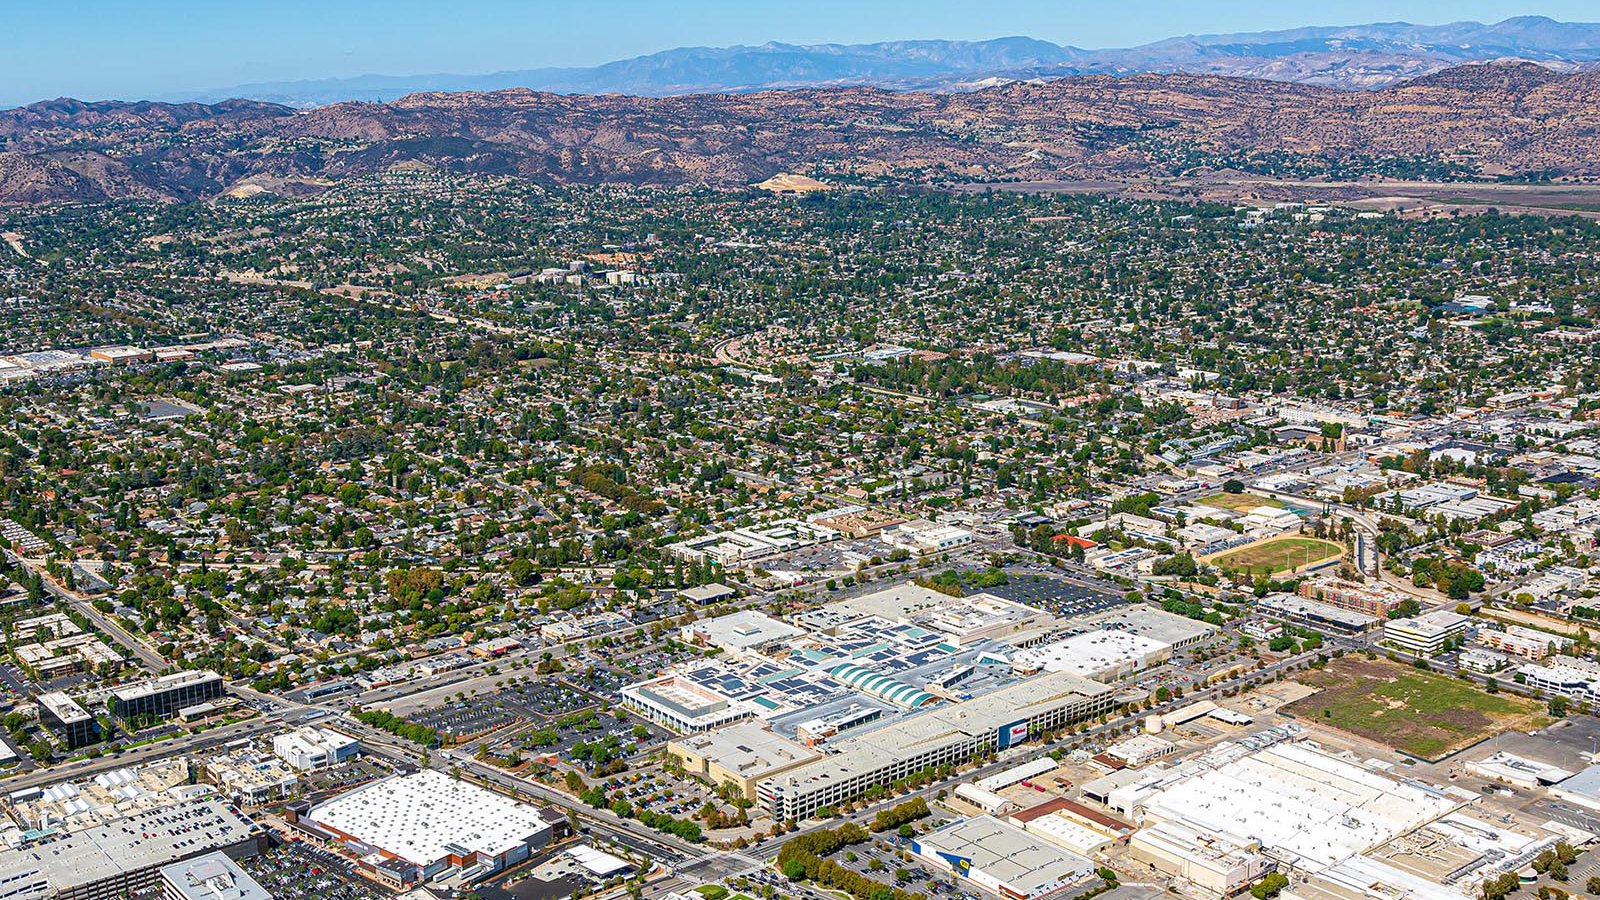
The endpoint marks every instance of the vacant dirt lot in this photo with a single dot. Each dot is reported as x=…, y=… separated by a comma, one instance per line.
x=1423, y=714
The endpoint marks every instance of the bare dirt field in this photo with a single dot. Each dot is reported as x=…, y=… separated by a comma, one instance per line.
x=1423, y=714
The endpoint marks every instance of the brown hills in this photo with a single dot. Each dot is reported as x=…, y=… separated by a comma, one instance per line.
x=1491, y=119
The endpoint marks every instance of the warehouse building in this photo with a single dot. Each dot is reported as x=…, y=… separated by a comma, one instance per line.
x=164, y=696
x=1002, y=859
x=986, y=800
x=944, y=734
x=110, y=861
x=435, y=823
x=1308, y=810
x=1072, y=825
x=1205, y=863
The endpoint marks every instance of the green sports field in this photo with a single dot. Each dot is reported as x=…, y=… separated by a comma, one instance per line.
x=1278, y=554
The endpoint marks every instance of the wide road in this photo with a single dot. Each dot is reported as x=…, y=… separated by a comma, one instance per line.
x=151, y=660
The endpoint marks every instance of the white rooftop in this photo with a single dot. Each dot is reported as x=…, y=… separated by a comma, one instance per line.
x=1307, y=808
x=416, y=816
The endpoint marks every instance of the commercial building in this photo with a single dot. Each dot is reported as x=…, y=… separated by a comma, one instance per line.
x=1350, y=595
x=683, y=705
x=741, y=754
x=314, y=748
x=122, y=356
x=434, y=822
x=944, y=734
x=1315, y=614
x=1157, y=624
x=1211, y=864
x=1002, y=859
x=739, y=632
x=1096, y=655
x=747, y=545
x=1560, y=678
x=1426, y=634
x=68, y=720
x=1527, y=643
x=925, y=537
x=251, y=777
x=961, y=620
x=210, y=877
x=707, y=593
x=1070, y=824
x=110, y=861
x=162, y=697
x=1308, y=810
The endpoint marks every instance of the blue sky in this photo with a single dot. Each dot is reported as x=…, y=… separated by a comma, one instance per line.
x=97, y=49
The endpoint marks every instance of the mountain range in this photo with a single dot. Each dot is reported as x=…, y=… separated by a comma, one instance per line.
x=1502, y=119
x=1354, y=56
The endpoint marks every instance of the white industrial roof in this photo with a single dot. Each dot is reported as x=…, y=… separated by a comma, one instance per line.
x=415, y=816
x=1306, y=807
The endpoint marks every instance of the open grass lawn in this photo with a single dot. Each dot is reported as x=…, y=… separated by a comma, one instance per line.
x=1240, y=502
x=1424, y=714
x=1278, y=554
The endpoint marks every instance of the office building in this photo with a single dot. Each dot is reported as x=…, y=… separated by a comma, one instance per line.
x=162, y=697
x=314, y=748
x=1426, y=634
x=68, y=720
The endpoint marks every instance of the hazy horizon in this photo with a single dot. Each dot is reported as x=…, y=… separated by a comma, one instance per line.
x=101, y=50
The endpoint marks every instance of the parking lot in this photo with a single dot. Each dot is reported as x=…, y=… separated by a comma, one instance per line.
x=529, y=701
x=344, y=776
x=650, y=790
x=1066, y=599
x=885, y=858
x=299, y=871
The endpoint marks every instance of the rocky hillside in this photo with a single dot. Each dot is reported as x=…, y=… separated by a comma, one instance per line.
x=1484, y=119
